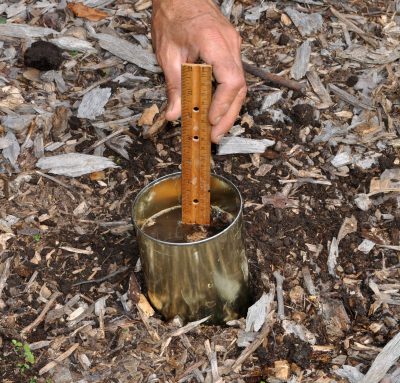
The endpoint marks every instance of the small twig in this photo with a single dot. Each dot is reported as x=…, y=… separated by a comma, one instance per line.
x=89, y=88
x=189, y=327
x=384, y=361
x=31, y=280
x=308, y=282
x=212, y=357
x=42, y=315
x=180, y=331
x=279, y=294
x=56, y=181
x=352, y=27
x=190, y=369
x=106, y=223
x=76, y=251
x=6, y=187
x=251, y=348
x=152, y=332
x=5, y=274
x=276, y=79
x=175, y=133
x=102, y=279
x=349, y=98
x=59, y=359
x=105, y=139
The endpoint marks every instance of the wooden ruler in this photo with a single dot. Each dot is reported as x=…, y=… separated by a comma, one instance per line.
x=196, y=143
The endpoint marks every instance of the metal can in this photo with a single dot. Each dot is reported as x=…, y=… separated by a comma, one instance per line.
x=194, y=279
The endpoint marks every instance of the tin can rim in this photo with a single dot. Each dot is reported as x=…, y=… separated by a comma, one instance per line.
x=176, y=174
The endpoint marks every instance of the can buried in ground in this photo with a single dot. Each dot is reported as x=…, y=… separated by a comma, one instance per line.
x=206, y=276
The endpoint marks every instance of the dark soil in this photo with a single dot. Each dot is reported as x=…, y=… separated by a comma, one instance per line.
x=303, y=114
x=43, y=55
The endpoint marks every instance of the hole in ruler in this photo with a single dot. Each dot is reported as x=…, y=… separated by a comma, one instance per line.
x=195, y=201
x=196, y=109
x=195, y=138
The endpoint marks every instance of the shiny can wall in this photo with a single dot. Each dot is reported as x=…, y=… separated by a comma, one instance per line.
x=196, y=279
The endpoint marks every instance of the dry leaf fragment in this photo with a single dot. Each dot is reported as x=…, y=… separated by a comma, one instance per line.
x=349, y=226
x=344, y=114
x=32, y=74
x=285, y=19
x=10, y=97
x=280, y=201
x=142, y=5
x=92, y=14
x=335, y=318
x=263, y=170
x=159, y=124
x=148, y=115
x=145, y=306
x=97, y=176
x=389, y=181
x=3, y=240
x=247, y=119
x=299, y=331
x=296, y=295
x=282, y=369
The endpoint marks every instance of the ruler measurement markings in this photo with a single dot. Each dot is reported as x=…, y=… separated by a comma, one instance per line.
x=196, y=149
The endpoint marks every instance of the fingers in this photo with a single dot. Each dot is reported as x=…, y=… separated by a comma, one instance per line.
x=231, y=80
x=171, y=65
x=224, y=55
x=228, y=119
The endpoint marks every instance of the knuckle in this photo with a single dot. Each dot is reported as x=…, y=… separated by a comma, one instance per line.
x=171, y=87
x=237, y=82
x=213, y=34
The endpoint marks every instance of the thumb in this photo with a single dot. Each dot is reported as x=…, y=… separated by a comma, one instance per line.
x=172, y=73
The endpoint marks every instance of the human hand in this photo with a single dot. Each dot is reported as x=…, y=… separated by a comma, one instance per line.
x=184, y=31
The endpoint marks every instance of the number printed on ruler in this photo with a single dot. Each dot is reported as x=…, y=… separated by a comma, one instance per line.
x=196, y=143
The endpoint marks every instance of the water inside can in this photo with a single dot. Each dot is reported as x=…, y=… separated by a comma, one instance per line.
x=167, y=226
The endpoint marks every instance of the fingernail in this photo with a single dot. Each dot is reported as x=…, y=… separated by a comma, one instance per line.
x=218, y=138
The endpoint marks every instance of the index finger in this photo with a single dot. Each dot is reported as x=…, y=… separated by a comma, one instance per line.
x=231, y=82
x=228, y=71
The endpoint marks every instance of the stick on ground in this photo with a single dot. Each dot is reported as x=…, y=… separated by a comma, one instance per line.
x=251, y=348
x=274, y=78
x=63, y=356
x=279, y=294
x=42, y=315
